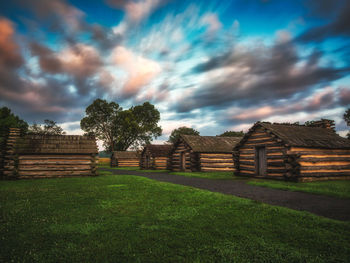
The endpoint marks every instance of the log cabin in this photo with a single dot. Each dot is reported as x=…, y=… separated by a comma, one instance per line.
x=44, y=156
x=156, y=157
x=203, y=153
x=293, y=152
x=125, y=159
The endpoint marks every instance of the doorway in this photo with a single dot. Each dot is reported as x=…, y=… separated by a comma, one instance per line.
x=260, y=161
x=183, y=161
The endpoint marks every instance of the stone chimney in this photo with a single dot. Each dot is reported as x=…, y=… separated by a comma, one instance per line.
x=323, y=123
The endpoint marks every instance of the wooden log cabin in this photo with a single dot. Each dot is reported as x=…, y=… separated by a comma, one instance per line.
x=44, y=156
x=156, y=157
x=125, y=159
x=203, y=153
x=293, y=152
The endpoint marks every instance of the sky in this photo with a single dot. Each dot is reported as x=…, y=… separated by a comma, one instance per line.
x=208, y=64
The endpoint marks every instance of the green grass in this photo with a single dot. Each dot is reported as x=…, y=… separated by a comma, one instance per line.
x=331, y=188
x=155, y=171
x=209, y=175
x=122, y=218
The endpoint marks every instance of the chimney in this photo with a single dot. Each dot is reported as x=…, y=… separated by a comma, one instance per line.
x=323, y=123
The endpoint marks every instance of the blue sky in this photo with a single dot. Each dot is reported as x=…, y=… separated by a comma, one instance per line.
x=210, y=65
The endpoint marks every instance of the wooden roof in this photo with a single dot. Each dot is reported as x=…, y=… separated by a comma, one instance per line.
x=211, y=144
x=56, y=144
x=158, y=150
x=126, y=155
x=304, y=136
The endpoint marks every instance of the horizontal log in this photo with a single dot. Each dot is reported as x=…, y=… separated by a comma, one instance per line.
x=241, y=173
x=276, y=164
x=48, y=162
x=276, y=174
x=246, y=168
x=260, y=141
x=320, y=173
x=323, y=163
x=251, y=163
x=325, y=171
x=53, y=173
x=207, y=169
x=270, y=170
x=216, y=161
x=215, y=155
x=323, y=159
x=54, y=168
x=229, y=165
x=304, y=149
x=326, y=167
x=58, y=156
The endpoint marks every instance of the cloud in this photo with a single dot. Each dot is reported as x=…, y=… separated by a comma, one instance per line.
x=337, y=14
x=10, y=54
x=212, y=22
x=247, y=76
x=140, y=70
x=136, y=10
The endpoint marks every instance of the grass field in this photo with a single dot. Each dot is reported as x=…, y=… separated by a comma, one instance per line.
x=339, y=189
x=209, y=175
x=120, y=218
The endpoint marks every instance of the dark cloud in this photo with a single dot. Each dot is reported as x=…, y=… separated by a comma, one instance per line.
x=336, y=12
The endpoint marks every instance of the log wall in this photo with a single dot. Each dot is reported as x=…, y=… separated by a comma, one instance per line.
x=23, y=165
x=322, y=164
x=128, y=162
x=190, y=163
x=210, y=162
x=275, y=155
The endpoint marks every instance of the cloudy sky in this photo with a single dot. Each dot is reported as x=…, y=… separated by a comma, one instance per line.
x=211, y=65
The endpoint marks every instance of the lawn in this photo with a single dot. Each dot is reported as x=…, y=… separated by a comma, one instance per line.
x=123, y=218
x=339, y=189
x=209, y=175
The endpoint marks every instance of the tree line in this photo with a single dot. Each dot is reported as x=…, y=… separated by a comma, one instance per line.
x=118, y=128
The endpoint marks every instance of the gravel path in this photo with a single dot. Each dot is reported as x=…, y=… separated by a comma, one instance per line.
x=326, y=206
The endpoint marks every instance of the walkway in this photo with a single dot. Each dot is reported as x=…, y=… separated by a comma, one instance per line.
x=326, y=206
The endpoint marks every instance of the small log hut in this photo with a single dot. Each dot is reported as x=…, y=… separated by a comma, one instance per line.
x=293, y=152
x=203, y=153
x=156, y=157
x=125, y=159
x=44, y=156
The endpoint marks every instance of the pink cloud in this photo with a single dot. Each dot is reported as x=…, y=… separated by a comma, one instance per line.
x=140, y=71
x=10, y=54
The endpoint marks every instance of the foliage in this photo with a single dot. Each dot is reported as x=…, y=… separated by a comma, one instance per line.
x=133, y=219
x=50, y=128
x=232, y=134
x=346, y=117
x=9, y=120
x=175, y=134
x=120, y=129
x=331, y=188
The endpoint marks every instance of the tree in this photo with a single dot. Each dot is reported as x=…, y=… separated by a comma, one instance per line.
x=175, y=134
x=346, y=117
x=9, y=120
x=120, y=129
x=50, y=128
x=232, y=134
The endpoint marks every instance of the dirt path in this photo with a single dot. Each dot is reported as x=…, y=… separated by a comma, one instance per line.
x=330, y=207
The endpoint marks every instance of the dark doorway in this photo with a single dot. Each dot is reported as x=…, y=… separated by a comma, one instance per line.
x=148, y=161
x=260, y=161
x=183, y=161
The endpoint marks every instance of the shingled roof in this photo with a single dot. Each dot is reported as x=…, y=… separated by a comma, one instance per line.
x=56, y=144
x=211, y=144
x=304, y=136
x=126, y=154
x=159, y=150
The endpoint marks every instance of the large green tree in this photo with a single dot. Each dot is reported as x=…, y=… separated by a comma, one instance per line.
x=232, y=134
x=121, y=129
x=50, y=128
x=175, y=134
x=346, y=117
x=9, y=120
